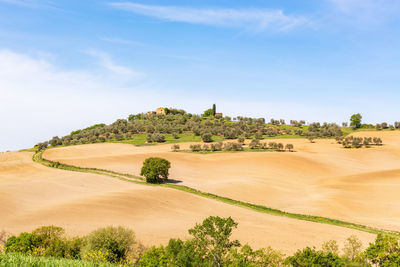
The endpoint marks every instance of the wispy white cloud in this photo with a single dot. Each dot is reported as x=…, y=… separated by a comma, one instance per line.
x=249, y=19
x=365, y=12
x=42, y=100
x=106, y=62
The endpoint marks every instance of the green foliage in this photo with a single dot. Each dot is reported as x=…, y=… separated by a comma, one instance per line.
x=25, y=243
x=45, y=241
x=88, y=128
x=212, y=238
x=207, y=137
x=385, y=251
x=330, y=246
x=352, y=248
x=153, y=257
x=112, y=244
x=355, y=120
x=246, y=256
x=17, y=260
x=155, y=170
x=312, y=257
x=177, y=123
x=158, y=138
x=208, y=112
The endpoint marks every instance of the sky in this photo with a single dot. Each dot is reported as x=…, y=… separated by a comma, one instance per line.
x=69, y=64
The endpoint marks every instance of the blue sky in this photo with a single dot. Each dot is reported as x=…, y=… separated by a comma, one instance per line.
x=65, y=65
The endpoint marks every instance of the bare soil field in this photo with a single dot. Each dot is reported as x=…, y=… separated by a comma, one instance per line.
x=32, y=195
x=322, y=178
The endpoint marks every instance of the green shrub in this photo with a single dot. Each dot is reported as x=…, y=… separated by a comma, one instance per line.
x=155, y=170
x=25, y=243
x=207, y=137
x=44, y=241
x=112, y=244
x=195, y=148
x=158, y=138
x=153, y=257
x=311, y=257
x=254, y=144
x=248, y=257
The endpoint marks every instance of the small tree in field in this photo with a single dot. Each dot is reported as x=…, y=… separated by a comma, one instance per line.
x=155, y=170
x=289, y=147
x=175, y=147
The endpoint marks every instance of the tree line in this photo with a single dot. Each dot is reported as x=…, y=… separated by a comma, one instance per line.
x=210, y=244
x=177, y=122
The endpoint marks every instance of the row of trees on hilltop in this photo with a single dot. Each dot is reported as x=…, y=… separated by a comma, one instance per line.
x=210, y=244
x=177, y=122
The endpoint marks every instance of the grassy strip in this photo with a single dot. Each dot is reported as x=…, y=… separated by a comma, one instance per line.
x=37, y=157
x=16, y=260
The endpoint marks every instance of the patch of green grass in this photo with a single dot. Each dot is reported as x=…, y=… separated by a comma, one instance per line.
x=140, y=139
x=28, y=150
x=259, y=208
x=17, y=260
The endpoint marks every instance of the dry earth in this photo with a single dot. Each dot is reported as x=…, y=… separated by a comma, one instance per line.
x=357, y=185
x=33, y=195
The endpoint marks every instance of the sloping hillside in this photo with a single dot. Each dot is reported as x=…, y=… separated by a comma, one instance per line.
x=357, y=185
x=33, y=195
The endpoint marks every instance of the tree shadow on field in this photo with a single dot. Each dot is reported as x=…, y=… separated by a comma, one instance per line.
x=173, y=181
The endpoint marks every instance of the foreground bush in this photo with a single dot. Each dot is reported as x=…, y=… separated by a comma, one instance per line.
x=48, y=241
x=155, y=170
x=312, y=257
x=112, y=244
x=210, y=245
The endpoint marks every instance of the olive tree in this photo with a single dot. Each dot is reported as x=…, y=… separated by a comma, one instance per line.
x=207, y=137
x=289, y=147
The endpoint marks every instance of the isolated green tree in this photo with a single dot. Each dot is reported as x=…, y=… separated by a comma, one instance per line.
x=155, y=170
x=289, y=147
x=355, y=120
